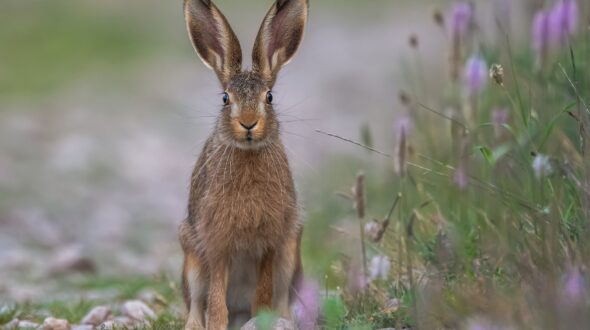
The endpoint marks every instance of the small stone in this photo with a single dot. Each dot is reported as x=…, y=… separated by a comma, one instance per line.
x=27, y=325
x=117, y=323
x=96, y=316
x=137, y=310
x=280, y=324
x=123, y=321
x=52, y=323
x=82, y=327
x=108, y=325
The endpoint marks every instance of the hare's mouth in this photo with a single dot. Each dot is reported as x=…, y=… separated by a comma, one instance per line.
x=248, y=133
x=249, y=137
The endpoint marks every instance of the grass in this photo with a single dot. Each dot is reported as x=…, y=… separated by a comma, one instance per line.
x=48, y=45
x=509, y=246
x=169, y=315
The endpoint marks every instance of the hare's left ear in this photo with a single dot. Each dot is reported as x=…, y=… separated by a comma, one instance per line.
x=279, y=37
x=213, y=38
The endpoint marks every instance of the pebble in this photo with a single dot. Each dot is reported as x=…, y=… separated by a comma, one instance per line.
x=116, y=323
x=82, y=327
x=108, y=325
x=27, y=325
x=52, y=323
x=280, y=324
x=96, y=316
x=137, y=310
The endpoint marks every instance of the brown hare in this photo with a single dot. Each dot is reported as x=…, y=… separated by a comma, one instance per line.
x=241, y=239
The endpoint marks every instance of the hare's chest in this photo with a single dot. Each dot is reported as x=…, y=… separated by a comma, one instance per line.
x=248, y=201
x=249, y=211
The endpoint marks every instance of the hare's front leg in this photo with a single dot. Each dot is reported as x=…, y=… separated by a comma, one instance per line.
x=194, y=282
x=217, y=314
x=285, y=265
x=264, y=275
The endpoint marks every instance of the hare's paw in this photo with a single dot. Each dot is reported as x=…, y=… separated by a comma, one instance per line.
x=193, y=324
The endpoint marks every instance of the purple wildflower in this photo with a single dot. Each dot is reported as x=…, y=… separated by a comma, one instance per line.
x=499, y=118
x=307, y=305
x=541, y=36
x=461, y=23
x=357, y=281
x=461, y=19
x=476, y=75
x=403, y=125
x=574, y=285
x=563, y=21
x=460, y=177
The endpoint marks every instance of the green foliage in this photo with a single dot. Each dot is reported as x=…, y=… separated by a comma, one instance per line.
x=47, y=45
x=334, y=312
x=265, y=320
x=512, y=234
x=7, y=313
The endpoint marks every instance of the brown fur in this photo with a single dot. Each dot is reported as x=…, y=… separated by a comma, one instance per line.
x=242, y=236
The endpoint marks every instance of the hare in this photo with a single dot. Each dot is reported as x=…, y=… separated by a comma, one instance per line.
x=241, y=239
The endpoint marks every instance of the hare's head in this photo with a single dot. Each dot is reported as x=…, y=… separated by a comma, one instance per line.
x=248, y=119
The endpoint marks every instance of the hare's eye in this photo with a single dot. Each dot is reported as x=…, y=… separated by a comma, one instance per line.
x=225, y=98
x=269, y=97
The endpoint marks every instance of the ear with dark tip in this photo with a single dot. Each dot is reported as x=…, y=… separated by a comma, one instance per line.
x=213, y=38
x=279, y=37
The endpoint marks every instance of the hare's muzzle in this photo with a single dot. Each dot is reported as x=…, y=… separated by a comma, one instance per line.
x=249, y=127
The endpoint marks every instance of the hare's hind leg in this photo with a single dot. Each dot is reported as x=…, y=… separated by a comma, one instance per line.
x=195, y=286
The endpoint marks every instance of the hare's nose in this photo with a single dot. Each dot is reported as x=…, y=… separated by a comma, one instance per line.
x=249, y=127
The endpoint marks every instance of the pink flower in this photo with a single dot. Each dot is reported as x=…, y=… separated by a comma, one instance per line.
x=499, y=118
x=476, y=75
x=307, y=305
x=357, y=281
x=574, y=285
x=460, y=177
x=563, y=21
x=461, y=19
x=403, y=125
x=541, y=33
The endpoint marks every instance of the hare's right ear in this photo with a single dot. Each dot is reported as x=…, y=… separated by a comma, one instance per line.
x=279, y=37
x=213, y=38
